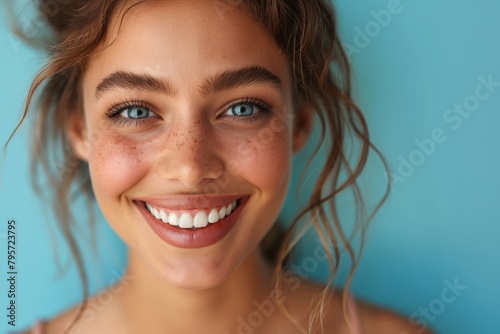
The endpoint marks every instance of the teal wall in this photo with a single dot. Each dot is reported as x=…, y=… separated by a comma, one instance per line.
x=441, y=224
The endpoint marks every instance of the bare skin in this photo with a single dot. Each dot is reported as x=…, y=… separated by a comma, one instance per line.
x=374, y=319
x=186, y=142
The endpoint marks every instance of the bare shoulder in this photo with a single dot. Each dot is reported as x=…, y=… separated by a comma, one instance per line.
x=49, y=326
x=61, y=322
x=87, y=320
x=373, y=319
x=376, y=319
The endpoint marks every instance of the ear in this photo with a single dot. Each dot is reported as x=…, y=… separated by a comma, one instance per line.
x=302, y=126
x=78, y=135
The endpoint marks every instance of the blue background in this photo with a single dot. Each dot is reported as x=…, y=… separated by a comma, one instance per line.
x=441, y=221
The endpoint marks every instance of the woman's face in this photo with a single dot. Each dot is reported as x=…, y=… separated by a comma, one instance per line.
x=187, y=113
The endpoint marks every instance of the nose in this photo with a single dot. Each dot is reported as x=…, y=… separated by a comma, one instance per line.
x=188, y=156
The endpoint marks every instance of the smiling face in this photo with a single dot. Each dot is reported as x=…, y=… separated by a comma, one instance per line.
x=188, y=115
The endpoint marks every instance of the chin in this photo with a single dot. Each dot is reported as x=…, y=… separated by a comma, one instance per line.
x=197, y=284
x=196, y=274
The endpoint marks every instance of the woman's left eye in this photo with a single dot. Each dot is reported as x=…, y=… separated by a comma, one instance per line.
x=247, y=110
x=244, y=109
x=136, y=112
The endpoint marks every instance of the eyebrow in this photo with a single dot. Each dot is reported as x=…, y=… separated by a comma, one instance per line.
x=135, y=81
x=229, y=79
x=253, y=75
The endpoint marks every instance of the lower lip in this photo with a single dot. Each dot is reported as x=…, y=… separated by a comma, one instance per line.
x=192, y=238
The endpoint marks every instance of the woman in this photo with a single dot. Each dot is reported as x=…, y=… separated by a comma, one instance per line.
x=181, y=119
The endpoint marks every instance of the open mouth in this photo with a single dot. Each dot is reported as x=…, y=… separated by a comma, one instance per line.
x=192, y=219
x=184, y=222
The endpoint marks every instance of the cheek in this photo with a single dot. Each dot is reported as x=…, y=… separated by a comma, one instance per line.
x=264, y=158
x=116, y=163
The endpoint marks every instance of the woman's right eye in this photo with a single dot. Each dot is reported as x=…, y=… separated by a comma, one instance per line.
x=130, y=113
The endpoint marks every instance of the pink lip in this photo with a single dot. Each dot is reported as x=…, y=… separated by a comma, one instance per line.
x=191, y=238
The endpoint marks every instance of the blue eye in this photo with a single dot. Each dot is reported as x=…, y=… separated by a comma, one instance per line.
x=136, y=112
x=131, y=113
x=248, y=110
x=244, y=109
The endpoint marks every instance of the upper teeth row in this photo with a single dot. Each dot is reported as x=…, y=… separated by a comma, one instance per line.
x=186, y=220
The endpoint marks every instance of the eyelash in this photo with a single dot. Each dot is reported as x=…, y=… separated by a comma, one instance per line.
x=114, y=112
x=264, y=108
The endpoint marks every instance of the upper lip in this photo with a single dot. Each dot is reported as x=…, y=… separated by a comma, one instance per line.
x=190, y=202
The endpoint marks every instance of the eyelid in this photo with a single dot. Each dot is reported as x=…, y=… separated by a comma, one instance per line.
x=114, y=113
x=264, y=107
x=116, y=109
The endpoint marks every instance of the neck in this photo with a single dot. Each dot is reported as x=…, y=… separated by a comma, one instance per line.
x=152, y=305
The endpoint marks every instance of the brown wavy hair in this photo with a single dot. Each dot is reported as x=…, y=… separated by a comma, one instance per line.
x=305, y=30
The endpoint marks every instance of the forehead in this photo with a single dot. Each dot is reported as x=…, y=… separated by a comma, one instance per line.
x=183, y=41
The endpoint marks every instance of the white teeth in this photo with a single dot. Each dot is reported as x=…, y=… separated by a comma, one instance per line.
x=156, y=213
x=213, y=217
x=200, y=220
x=222, y=212
x=172, y=219
x=185, y=220
x=163, y=216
